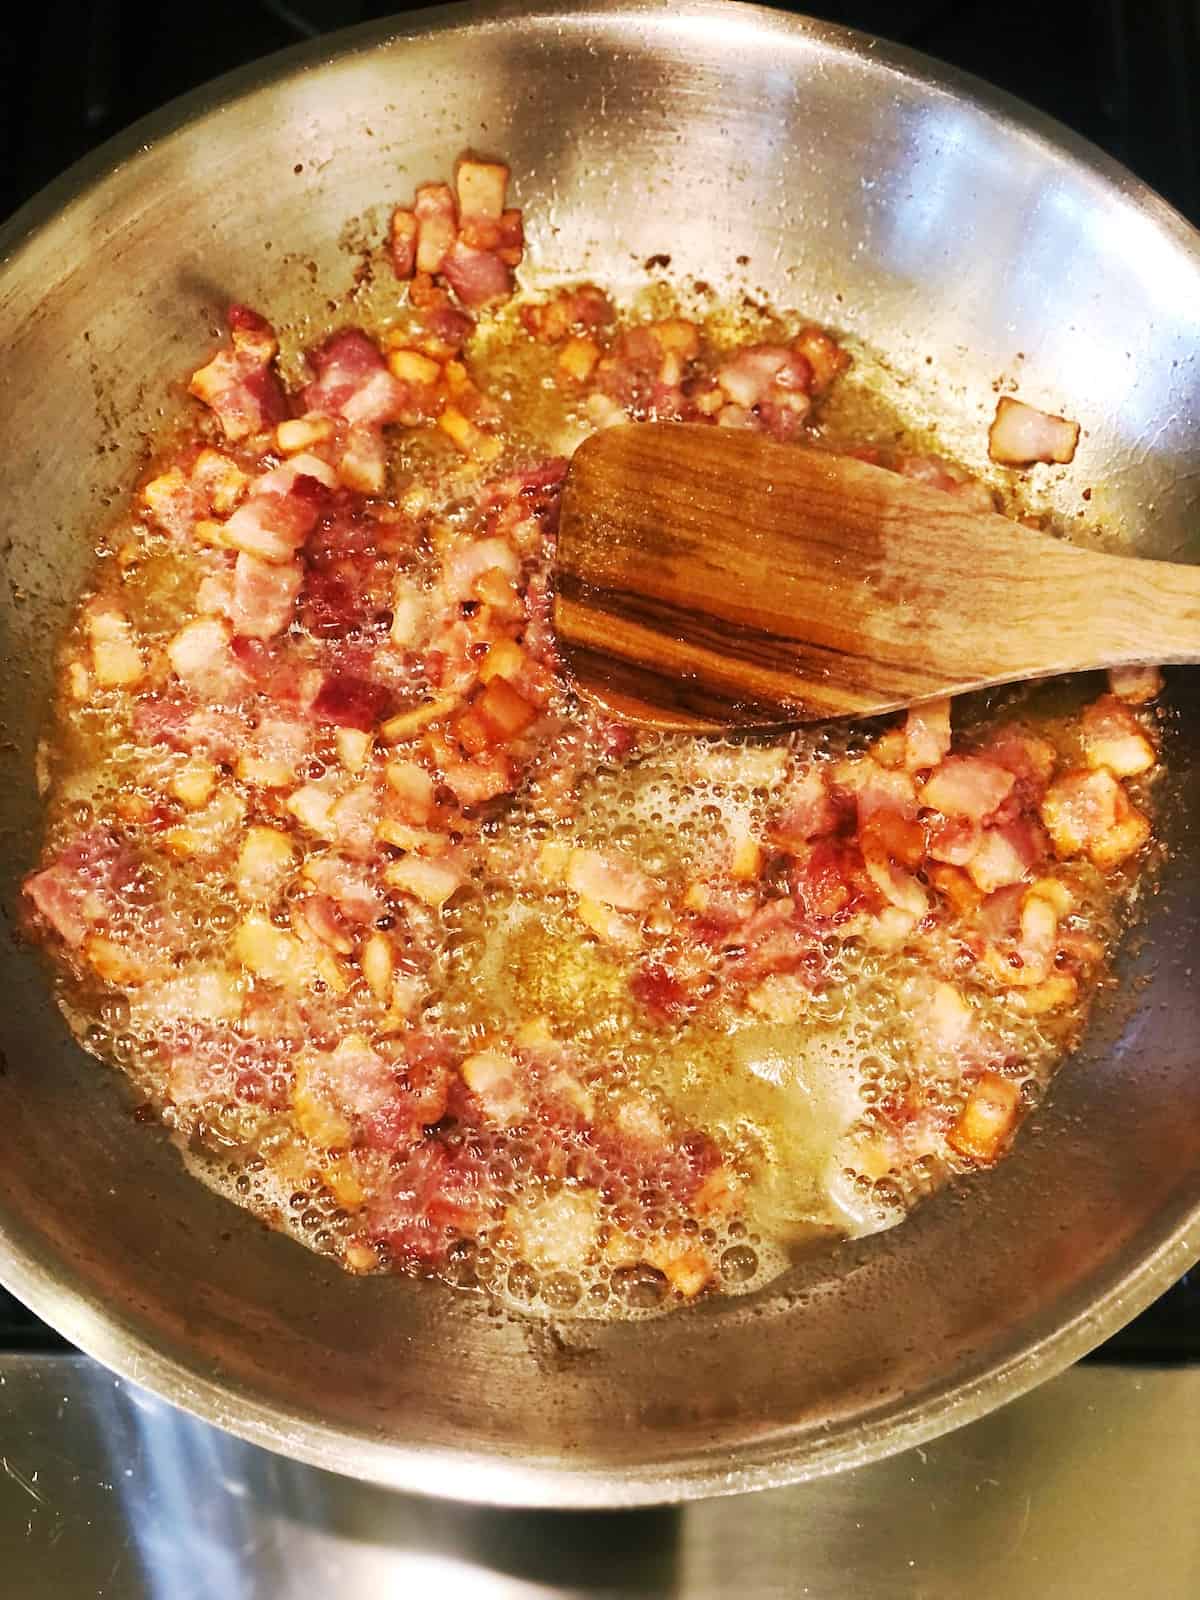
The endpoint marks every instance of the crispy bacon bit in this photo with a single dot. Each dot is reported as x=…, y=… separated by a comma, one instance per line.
x=1021, y=435
x=939, y=474
x=1090, y=811
x=1114, y=738
x=239, y=384
x=987, y=1119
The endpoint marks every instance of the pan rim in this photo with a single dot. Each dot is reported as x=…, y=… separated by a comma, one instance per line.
x=489, y=1478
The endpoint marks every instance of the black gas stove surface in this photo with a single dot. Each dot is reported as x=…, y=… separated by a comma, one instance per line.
x=1124, y=73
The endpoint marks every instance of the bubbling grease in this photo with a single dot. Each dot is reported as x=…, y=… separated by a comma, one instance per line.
x=796, y=1102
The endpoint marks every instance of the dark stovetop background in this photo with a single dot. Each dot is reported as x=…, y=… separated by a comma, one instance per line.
x=1125, y=73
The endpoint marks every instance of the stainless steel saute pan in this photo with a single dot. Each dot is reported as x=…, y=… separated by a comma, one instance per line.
x=962, y=240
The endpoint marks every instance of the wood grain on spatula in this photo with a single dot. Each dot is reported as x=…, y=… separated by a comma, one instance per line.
x=710, y=578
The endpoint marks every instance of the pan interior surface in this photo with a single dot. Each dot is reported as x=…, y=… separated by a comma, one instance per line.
x=961, y=245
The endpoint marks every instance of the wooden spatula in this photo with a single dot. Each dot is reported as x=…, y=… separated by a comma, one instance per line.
x=709, y=578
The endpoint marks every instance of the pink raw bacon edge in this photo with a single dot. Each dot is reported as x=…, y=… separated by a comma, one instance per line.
x=239, y=385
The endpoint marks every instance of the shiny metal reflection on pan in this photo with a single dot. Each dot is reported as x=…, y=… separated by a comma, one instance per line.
x=962, y=240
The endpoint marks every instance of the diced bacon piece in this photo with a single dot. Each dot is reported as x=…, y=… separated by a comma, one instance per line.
x=478, y=277
x=505, y=659
x=270, y=953
x=193, y=785
x=318, y=917
x=355, y=819
x=896, y=884
x=496, y=716
x=208, y=831
x=402, y=242
x=950, y=1018
x=482, y=187
x=1136, y=685
x=1091, y=811
x=939, y=474
x=1055, y=993
x=263, y=601
x=350, y=702
x=1114, y=738
x=352, y=381
x=173, y=502
x=577, y=359
x=178, y=501
x=582, y=309
x=116, y=656
x=279, y=513
x=967, y=786
x=441, y=329
x=201, y=657
x=480, y=779
x=746, y=858
x=610, y=879
x=1039, y=934
x=808, y=811
x=354, y=747
x=469, y=559
x=927, y=735
x=826, y=358
x=1029, y=758
x=312, y=807
x=430, y=881
x=471, y=440
x=611, y=926
x=437, y=225
x=875, y=788
x=346, y=883
x=987, y=1119
x=956, y=886
x=1020, y=435
x=378, y=966
x=1005, y=855
x=265, y=861
x=362, y=465
x=828, y=879
x=239, y=384
x=63, y=900
x=406, y=725
x=953, y=839
x=772, y=381
x=493, y=1077
x=303, y=433
x=413, y=789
